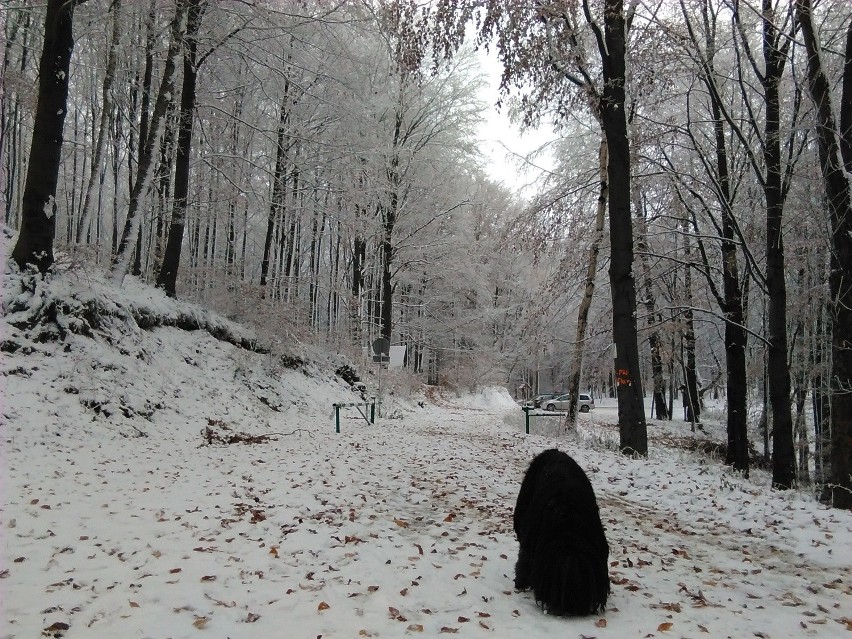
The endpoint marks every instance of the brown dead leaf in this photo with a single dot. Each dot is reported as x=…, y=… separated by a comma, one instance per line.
x=133, y=604
x=450, y=517
x=208, y=578
x=372, y=588
x=400, y=522
x=415, y=627
x=666, y=605
x=200, y=622
x=322, y=606
x=600, y=623
x=448, y=630
x=462, y=619
x=665, y=626
x=251, y=617
x=273, y=550
x=56, y=629
x=403, y=592
x=174, y=571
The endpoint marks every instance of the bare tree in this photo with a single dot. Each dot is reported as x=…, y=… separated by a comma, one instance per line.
x=835, y=156
x=38, y=220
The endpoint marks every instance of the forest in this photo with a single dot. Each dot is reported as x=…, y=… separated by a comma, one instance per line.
x=314, y=170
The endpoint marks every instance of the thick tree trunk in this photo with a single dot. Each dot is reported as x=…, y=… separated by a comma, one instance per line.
x=167, y=278
x=38, y=216
x=838, y=489
x=783, y=460
x=633, y=434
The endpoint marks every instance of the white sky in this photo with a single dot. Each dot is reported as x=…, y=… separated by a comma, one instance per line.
x=503, y=141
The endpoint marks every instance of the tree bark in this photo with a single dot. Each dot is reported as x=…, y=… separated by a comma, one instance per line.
x=106, y=115
x=633, y=434
x=145, y=169
x=38, y=220
x=167, y=278
x=588, y=290
x=783, y=458
x=690, y=376
x=838, y=489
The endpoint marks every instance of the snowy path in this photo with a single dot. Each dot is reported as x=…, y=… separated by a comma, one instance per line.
x=402, y=528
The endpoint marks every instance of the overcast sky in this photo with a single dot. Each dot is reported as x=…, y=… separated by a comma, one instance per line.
x=503, y=141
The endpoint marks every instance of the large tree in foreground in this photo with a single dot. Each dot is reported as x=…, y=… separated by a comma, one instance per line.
x=38, y=216
x=564, y=56
x=835, y=156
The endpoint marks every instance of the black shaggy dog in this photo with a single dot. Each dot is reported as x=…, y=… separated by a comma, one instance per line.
x=563, y=550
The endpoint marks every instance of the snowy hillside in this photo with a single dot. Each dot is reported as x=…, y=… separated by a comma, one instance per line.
x=125, y=513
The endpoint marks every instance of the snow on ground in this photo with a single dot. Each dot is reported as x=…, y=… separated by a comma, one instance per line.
x=123, y=516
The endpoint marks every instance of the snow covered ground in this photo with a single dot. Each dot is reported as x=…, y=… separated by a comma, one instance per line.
x=123, y=516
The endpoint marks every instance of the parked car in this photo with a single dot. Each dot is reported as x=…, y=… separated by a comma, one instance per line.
x=585, y=403
x=538, y=400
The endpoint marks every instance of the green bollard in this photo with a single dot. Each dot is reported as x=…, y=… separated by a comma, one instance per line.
x=337, y=418
x=373, y=412
x=526, y=410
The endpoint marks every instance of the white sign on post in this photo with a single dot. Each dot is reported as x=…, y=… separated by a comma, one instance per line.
x=397, y=356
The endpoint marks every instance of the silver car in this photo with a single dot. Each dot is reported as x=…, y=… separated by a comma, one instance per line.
x=585, y=403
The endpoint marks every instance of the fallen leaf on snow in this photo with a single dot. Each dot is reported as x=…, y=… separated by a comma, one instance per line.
x=56, y=629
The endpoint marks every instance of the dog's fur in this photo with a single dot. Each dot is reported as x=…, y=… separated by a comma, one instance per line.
x=563, y=553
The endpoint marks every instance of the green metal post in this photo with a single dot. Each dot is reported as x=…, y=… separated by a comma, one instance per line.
x=337, y=418
x=373, y=412
x=527, y=416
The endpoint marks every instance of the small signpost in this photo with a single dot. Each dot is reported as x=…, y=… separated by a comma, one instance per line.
x=527, y=410
x=381, y=355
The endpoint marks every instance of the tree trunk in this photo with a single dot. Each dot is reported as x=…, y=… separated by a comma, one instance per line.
x=838, y=489
x=633, y=434
x=167, y=278
x=279, y=178
x=588, y=291
x=732, y=306
x=38, y=216
x=783, y=461
x=692, y=411
x=145, y=169
x=659, y=407
x=106, y=113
